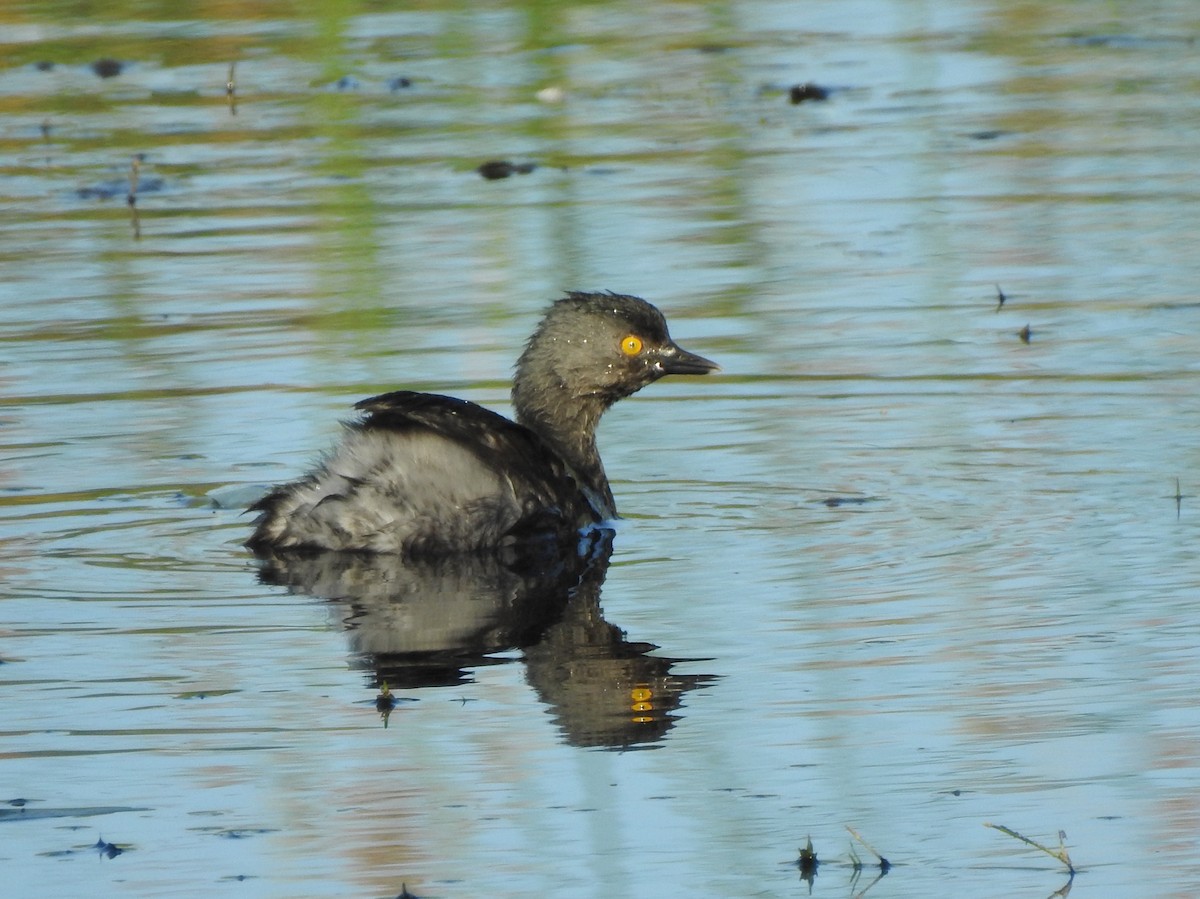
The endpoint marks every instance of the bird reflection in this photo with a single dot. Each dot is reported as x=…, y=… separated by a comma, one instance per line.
x=429, y=623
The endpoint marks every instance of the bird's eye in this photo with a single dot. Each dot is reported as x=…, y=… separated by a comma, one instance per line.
x=631, y=345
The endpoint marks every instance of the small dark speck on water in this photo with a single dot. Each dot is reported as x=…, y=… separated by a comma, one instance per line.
x=1026, y=334
x=807, y=91
x=108, y=68
x=44, y=65
x=495, y=169
x=1000, y=298
x=399, y=83
x=834, y=502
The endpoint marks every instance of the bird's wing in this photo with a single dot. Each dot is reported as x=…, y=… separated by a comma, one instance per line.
x=427, y=474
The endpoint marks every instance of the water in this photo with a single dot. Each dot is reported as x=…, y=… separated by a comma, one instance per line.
x=905, y=571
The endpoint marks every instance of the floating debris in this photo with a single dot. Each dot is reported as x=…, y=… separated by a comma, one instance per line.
x=131, y=197
x=1060, y=853
x=495, y=169
x=384, y=703
x=398, y=83
x=231, y=88
x=1000, y=298
x=884, y=864
x=134, y=168
x=834, y=502
x=801, y=93
x=808, y=861
x=108, y=68
x=242, y=833
x=107, y=850
x=1026, y=334
x=43, y=65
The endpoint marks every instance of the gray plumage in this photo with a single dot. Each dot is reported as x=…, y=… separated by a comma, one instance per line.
x=427, y=475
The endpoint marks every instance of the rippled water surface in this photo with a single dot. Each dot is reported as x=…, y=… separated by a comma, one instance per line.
x=913, y=562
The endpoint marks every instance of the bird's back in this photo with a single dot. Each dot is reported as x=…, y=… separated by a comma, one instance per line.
x=426, y=475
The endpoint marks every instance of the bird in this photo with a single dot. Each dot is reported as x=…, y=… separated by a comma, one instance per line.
x=430, y=476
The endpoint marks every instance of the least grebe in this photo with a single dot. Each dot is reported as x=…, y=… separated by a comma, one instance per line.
x=427, y=475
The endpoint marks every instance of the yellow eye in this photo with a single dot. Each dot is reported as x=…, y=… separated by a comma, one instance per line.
x=631, y=345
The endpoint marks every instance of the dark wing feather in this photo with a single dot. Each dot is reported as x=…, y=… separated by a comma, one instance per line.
x=549, y=500
x=497, y=441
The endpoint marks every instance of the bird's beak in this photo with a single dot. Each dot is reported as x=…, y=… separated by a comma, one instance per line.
x=675, y=360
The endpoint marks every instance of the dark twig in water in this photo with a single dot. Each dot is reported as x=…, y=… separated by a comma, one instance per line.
x=131, y=198
x=1178, y=497
x=1060, y=853
x=884, y=864
x=231, y=88
x=46, y=129
x=1065, y=890
x=864, y=890
x=1000, y=298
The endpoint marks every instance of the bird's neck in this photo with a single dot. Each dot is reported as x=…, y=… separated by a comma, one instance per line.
x=568, y=424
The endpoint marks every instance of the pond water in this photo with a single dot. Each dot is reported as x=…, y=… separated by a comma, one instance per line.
x=915, y=561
